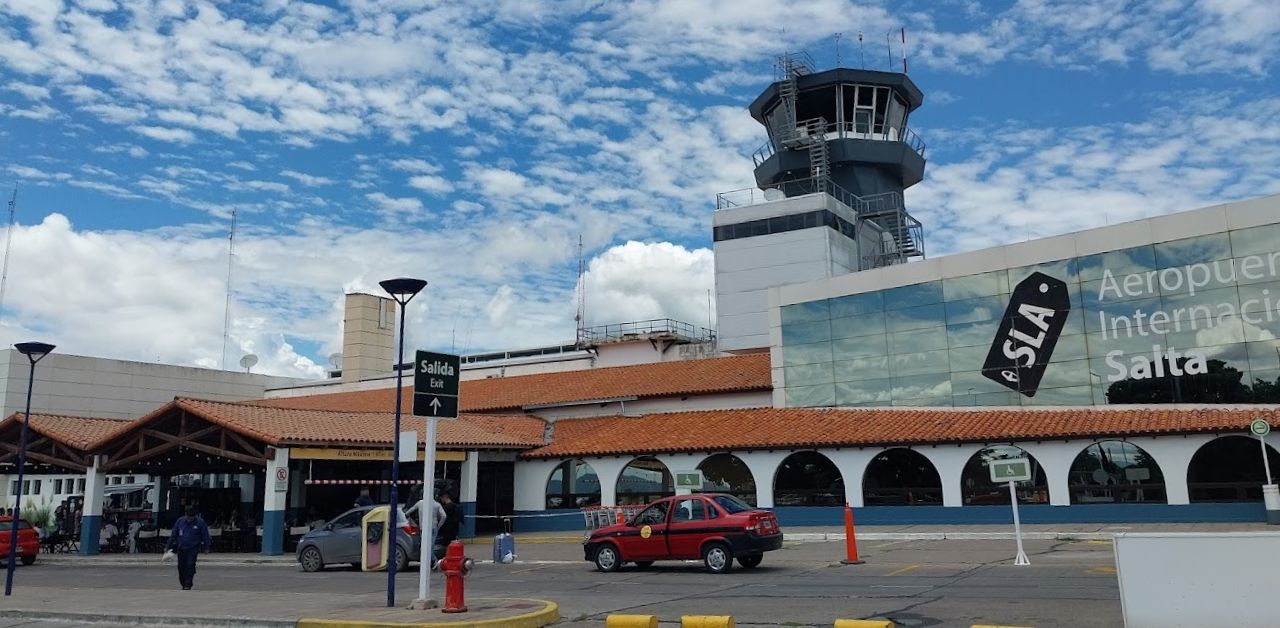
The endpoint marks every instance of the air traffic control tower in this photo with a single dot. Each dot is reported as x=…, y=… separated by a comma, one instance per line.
x=828, y=196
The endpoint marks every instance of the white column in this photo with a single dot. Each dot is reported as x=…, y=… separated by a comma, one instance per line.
x=467, y=494
x=949, y=461
x=608, y=470
x=1173, y=455
x=91, y=516
x=273, y=505
x=531, y=484
x=763, y=466
x=1056, y=459
x=852, y=464
x=680, y=462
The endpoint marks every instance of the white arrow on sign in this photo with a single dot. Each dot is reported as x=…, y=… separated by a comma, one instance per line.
x=435, y=405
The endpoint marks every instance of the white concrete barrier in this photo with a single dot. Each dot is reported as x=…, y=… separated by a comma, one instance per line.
x=1168, y=580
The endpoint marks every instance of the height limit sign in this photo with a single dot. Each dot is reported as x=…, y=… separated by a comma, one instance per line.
x=435, y=385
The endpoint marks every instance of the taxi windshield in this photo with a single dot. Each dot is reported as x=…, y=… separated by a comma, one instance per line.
x=731, y=504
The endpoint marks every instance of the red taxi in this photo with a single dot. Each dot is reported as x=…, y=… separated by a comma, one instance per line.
x=712, y=527
x=28, y=539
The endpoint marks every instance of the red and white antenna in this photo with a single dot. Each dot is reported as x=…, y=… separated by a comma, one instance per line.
x=904, y=50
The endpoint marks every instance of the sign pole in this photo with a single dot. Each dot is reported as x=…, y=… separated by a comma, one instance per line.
x=1017, y=526
x=428, y=514
x=1266, y=464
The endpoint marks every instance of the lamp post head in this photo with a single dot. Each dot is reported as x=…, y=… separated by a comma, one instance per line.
x=403, y=289
x=34, y=350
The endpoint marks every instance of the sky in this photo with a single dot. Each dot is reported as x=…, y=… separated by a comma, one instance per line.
x=473, y=144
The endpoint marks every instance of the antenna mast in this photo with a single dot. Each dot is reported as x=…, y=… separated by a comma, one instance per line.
x=837, y=38
x=580, y=319
x=8, y=241
x=226, y=315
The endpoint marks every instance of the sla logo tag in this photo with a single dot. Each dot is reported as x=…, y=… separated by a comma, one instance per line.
x=1028, y=332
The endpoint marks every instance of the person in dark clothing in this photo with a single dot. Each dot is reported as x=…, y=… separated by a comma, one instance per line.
x=364, y=499
x=190, y=536
x=448, y=531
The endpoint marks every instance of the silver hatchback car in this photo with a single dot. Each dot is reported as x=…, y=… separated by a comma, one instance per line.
x=340, y=542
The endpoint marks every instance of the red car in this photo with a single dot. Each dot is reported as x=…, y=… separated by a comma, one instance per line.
x=712, y=527
x=28, y=540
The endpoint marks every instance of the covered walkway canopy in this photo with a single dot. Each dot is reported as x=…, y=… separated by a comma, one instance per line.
x=55, y=442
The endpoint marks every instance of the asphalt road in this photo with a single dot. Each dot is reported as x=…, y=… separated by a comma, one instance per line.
x=914, y=583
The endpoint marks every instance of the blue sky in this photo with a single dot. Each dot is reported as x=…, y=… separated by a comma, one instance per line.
x=472, y=143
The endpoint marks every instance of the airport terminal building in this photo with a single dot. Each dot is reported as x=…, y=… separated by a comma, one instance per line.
x=1125, y=362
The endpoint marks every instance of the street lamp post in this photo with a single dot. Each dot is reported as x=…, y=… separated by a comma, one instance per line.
x=34, y=351
x=402, y=290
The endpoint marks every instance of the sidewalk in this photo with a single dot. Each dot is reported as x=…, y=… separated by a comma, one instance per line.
x=261, y=609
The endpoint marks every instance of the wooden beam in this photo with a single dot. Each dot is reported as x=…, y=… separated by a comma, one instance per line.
x=169, y=442
x=230, y=455
x=248, y=447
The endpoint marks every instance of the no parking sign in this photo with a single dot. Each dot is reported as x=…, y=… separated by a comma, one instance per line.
x=282, y=479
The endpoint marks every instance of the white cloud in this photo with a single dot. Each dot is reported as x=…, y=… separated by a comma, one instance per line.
x=415, y=165
x=638, y=281
x=431, y=183
x=166, y=134
x=394, y=207
x=306, y=179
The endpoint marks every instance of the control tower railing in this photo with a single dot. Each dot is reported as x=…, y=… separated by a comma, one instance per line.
x=887, y=211
x=846, y=131
x=659, y=328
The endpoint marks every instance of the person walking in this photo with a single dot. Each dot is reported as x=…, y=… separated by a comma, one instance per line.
x=190, y=536
x=448, y=531
x=363, y=500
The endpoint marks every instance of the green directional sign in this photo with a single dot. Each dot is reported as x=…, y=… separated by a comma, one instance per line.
x=1012, y=470
x=1260, y=427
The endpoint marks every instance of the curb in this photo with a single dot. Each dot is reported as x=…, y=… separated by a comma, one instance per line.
x=147, y=620
x=549, y=614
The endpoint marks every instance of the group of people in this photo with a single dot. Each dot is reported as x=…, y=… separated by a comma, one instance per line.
x=446, y=517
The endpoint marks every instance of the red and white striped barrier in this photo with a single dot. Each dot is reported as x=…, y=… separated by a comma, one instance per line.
x=358, y=482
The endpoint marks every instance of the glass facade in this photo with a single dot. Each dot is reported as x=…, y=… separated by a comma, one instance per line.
x=1187, y=321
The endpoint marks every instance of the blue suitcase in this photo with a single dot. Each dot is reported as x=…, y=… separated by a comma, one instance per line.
x=504, y=546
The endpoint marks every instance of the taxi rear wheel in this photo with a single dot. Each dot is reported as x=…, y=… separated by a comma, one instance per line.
x=607, y=558
x=717, y=558
x=28, y=560
x=750, y=562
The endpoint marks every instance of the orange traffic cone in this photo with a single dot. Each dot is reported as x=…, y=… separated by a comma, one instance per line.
x=850, y=543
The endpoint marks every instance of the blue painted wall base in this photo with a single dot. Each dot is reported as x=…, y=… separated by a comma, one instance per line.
x=273, y=533
x=468, y=528
x=799, y=516
x=90, y=534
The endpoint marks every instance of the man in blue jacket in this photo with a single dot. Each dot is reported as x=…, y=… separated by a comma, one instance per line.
x=190, y=536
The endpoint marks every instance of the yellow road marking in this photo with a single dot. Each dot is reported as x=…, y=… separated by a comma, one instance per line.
x=1099, y=542
x=1102, y=570
x=904, y=570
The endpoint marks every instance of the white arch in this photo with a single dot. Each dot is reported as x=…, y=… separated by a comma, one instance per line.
x=773, y=477
x=657, y=458
x=763, y=465
x=707, y=457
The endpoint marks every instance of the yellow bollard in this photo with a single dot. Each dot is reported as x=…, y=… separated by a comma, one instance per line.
x=863, y=623
x=706, y=621
x=631, y=621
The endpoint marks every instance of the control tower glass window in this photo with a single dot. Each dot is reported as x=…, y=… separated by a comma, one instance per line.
x=870, y=112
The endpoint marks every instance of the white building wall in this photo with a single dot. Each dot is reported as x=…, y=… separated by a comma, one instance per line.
x=116, y=389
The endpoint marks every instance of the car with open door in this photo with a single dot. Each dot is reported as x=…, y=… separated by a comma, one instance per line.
x=340, y=541
x=715, y=528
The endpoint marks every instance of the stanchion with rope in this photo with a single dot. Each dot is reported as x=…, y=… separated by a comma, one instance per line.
x=850, y=543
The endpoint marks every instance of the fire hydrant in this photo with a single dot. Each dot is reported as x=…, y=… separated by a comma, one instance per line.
x=455, y=566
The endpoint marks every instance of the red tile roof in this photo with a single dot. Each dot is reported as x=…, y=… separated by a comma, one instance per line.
x=288, y=426
x=771, y=428
x=76, y=432
x=662, y=379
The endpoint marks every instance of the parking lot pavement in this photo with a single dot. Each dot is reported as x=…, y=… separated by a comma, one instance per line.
x=913, y=582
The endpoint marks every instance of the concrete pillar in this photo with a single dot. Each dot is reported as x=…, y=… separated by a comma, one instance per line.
x=531, y=484
x=680, y=462
x=608, y=470
x=763, y=466
x=273, y=506
x=949, y=461
x=852, y=464
x=91, y=517
x=467, y=494
x=1173, y=455
x=1056, y=459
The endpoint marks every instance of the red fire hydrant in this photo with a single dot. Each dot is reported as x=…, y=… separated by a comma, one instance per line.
x=455, y=566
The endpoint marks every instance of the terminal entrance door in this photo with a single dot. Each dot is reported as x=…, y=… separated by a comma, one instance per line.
x=495, y=495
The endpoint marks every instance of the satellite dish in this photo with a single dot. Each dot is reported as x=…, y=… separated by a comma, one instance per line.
x=335, y=361
x=248, y=361
x=774, y=194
